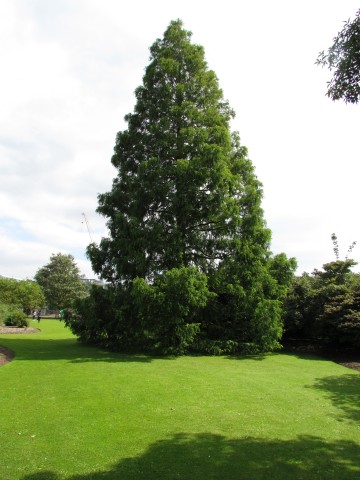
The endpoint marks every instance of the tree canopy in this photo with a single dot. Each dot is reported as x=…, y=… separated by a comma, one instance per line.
x=25, y=294
x=344, y=58
x=187, y=258
x=61, y=281
x=181, y=174
x=325, y=306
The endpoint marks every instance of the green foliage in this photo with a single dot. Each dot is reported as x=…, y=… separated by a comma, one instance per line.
x=179, y=171
x=188, y=249
x=299, y=314
x=23, y=293
x=98, y=311
x=344, y=57
x=325, y=305
x=61, y=281
x=15, y=317
x=107, y=317
x=248, y=307
x=169, y=309
x=5, y=310
x=4, y=307
x=339, y=318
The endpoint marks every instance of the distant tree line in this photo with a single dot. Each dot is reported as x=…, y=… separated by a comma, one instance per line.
x=56, y=286
x=17, y=299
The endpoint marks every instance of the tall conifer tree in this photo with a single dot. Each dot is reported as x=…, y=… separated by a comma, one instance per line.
x=179, y=197
x=186, y=195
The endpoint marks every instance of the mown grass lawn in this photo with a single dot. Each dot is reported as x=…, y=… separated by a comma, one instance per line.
x=71, y=412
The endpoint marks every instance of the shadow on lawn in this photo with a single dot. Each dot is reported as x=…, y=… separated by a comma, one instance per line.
x=258, y=357
x=209, y=457
x=344, y=392
x=66, y=349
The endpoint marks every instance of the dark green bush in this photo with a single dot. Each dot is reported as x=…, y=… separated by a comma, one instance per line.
x=324, y=307
x=16, y=318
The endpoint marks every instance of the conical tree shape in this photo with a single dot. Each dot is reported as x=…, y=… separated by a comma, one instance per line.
x=184, y=215
x=178, y=199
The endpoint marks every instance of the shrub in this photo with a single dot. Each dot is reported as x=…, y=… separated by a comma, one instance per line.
x=4, y=312
x=16, y=318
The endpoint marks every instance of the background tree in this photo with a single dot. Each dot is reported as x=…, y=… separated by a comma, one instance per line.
x=25, y=294
x=61, y=281
x=184, y=215
x=344, y=58
x=325, y=306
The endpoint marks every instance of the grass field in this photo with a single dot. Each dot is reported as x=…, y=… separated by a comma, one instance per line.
x=71, y=412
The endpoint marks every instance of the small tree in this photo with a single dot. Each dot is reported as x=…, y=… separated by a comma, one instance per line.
x=31, y=295
x=25, y=294
x=344, y=57
x=61, y=281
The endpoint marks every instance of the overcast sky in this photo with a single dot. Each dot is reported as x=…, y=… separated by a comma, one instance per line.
x=69, y=69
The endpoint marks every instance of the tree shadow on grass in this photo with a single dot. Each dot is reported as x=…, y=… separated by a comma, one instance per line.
x=66, y=349
x=304, y=355
x=257, y=357
x=213, y=457
x=71, y=349
x=344, y=392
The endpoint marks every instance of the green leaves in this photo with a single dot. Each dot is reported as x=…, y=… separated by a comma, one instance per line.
x=325, y=306
x=23, y=293
x=61, y=282
x=344, y=57
x=169, y=308
x=185, y=211
x=172, y=195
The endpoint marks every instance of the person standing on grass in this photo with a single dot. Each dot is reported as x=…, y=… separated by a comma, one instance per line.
x=38, y=315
